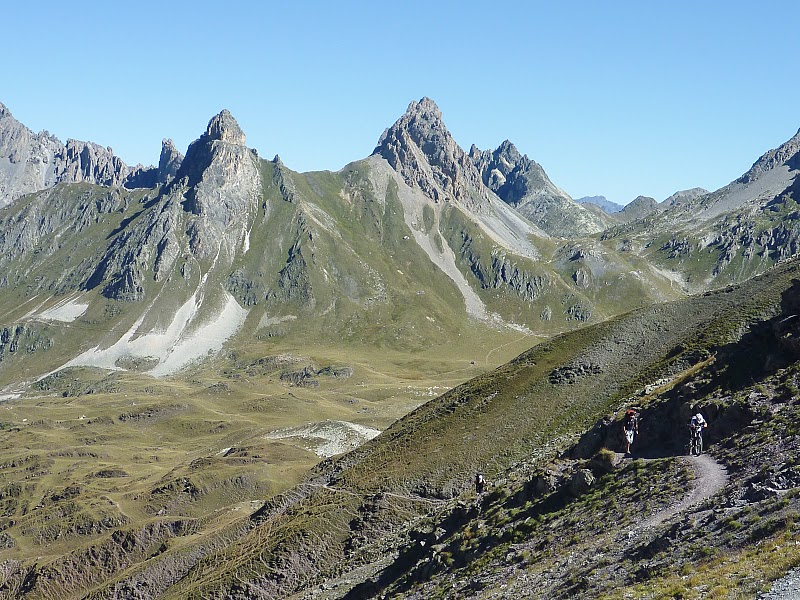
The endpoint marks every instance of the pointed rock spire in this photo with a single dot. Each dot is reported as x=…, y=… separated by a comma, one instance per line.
x=224, y=127
x=522, y=183
x=420, y=148
x=169, y=162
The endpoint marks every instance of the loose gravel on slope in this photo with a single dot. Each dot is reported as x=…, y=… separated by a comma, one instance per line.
x=787, y=588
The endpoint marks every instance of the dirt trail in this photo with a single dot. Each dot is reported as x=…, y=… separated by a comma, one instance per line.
x=710, y=478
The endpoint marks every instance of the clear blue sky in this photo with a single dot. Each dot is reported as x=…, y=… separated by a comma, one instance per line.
x=612, y=98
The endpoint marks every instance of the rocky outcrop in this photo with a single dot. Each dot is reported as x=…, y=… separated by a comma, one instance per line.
x=503, y=271
x=30, y=162
x=523, y=184
x=22, y=338
x=420, y=148
x=786, y=154
x=169, y=163
x=204, y=211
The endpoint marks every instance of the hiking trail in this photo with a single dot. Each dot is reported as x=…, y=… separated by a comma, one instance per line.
x=710, y=478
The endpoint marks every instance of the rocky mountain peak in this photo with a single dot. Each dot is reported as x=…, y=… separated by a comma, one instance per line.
x=522, y=183
x=420, y=148
x=682, y=196
x=30, y=161
x=639, y=207
x=223, y=127
x=509, y=151
x=170, y=161
x=425, y=109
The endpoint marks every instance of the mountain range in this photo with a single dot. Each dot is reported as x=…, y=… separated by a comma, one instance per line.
x=178, y=341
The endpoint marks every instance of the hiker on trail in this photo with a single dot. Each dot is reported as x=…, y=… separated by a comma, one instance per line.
x=480, y=483
x=630, y=428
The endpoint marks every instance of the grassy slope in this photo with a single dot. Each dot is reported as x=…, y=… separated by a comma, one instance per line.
x=512, y=415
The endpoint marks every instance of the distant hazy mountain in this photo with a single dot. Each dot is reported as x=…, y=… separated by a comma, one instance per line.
x=606, y=205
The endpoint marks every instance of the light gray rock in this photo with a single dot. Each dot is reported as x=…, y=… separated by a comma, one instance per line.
x=169, y=162
x=581, y=482
x=420, y=148
x=30, y=162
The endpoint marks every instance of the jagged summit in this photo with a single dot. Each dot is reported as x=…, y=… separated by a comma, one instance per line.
x=30, y=161
x=225, y=128
x=523, y=184
x=169, y=162
x=420, y=148
x=425, y=107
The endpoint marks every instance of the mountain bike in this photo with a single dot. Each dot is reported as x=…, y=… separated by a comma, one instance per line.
x=696, y=440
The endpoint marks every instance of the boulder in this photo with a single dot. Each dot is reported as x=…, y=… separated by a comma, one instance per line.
x=581, y=482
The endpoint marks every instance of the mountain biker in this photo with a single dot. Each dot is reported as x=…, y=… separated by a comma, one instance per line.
x=696, y=425
x=630, y=428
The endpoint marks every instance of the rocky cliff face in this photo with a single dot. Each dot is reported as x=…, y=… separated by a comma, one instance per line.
x=523, y=184
x=30, y=161
x=169, y=163
x=205, y=212
x=420, y=148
